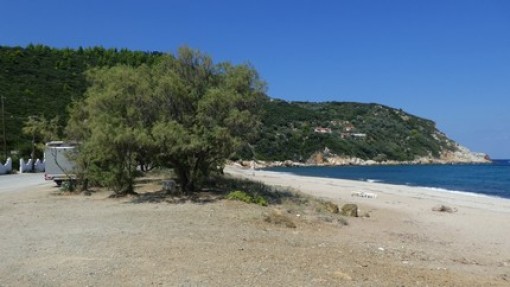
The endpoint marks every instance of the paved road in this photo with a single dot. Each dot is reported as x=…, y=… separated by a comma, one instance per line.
x=21, y=182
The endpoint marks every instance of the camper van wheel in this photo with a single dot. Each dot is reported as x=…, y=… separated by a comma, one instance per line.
x=58, y=182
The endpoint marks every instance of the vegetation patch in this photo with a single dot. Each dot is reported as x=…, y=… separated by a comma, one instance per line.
x=328, y=206
x=279, y=219
x=298, y=130
x=245, y=197
x=272, y=195
x=292, y=206
x=68, y=186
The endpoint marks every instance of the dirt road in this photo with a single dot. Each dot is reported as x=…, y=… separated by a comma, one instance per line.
x=22, y=182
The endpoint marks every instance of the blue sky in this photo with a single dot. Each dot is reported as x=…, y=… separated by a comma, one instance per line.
x=446, y=60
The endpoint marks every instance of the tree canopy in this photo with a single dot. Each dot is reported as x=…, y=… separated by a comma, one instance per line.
x=184, y=112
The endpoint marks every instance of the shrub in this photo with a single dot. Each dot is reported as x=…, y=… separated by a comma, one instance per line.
x=265, y=193
x=260, y=200
x=68, y=186
x=245, y=197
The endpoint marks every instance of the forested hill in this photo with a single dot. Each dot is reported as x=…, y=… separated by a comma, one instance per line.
x=39, y=80
x=296, y=130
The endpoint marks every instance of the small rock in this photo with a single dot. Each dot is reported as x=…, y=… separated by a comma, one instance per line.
x=331, y=207
x=350, y=209
x=444, y=208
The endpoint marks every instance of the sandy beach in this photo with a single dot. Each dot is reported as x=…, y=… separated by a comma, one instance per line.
x=474, y=238
x=53, y=239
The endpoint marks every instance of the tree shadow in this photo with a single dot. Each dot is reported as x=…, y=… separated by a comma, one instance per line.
x=217, y=188
x=163, y=196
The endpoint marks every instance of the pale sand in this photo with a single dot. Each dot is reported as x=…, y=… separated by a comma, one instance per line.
x=53, y=239
x=476, y=235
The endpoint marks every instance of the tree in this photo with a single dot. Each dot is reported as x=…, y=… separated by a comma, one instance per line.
x=111, y=125
x=213, y=109
x=41, y=131
x=185, y=112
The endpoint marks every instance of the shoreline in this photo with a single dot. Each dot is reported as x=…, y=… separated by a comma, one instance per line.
x=429, y=188
x=441, y=186
x=347, y=187
x=359, y=162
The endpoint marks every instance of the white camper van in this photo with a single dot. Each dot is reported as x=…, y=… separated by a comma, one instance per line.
x=59, y=164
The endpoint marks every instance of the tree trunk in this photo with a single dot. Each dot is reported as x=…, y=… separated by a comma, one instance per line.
x=32, y=155
x=184, y=179
x=84, y=185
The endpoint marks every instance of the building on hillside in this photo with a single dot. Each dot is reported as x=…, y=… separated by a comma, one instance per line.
x=358, y=136
x=348, y=128
x=321, y=130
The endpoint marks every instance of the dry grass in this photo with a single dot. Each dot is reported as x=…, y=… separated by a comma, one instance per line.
x=278, y=218
x=291, y=205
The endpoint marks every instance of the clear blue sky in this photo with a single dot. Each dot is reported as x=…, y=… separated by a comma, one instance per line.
x=445, y=60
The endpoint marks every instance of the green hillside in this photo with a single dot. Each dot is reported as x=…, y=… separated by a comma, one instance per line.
x=39, y=80
x=295, y=130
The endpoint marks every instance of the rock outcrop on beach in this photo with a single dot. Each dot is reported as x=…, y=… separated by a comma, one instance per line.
x=464, y=155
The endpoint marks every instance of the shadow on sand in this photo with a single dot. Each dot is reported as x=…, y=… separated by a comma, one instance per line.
x=216, y=189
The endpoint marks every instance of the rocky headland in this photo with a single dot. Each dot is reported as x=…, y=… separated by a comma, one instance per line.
x=461, y=155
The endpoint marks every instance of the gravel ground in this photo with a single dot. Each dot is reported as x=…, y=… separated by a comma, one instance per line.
x=48, y=239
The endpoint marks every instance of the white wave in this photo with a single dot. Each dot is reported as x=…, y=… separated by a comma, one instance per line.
x=467, y=193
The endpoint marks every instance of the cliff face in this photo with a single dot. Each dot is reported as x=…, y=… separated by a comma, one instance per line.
x=464, y=155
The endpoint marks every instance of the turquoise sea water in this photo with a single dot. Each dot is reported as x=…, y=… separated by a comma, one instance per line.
x=488, y=179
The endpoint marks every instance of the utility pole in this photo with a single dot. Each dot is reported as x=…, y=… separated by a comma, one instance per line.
x=2, y=98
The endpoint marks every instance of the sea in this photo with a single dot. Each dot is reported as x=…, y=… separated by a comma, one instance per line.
x=476, y=179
